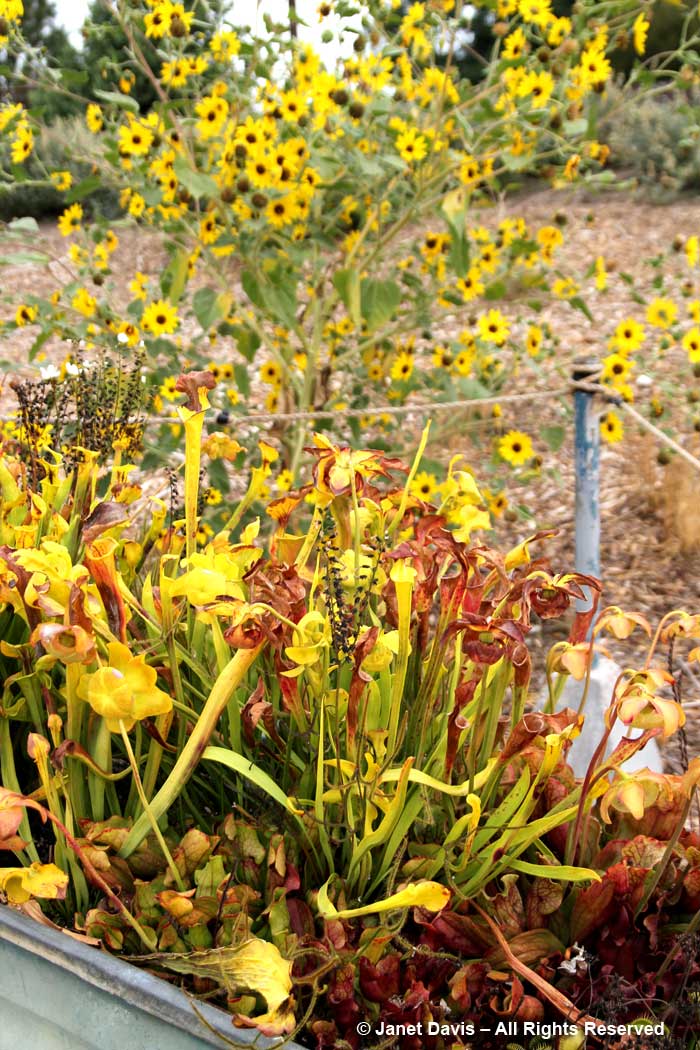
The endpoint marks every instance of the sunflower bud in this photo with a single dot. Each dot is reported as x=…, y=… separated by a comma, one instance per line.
x=178, y=28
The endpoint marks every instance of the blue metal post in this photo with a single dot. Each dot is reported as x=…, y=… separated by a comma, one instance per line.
x=604, y=672
x=587, y=463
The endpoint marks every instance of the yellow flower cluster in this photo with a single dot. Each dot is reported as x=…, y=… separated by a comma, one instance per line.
x=13, y=118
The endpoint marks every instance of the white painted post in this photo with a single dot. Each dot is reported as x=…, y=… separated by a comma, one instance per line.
x=604, y=671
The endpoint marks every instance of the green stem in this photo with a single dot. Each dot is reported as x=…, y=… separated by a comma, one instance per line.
x=147, y=810
x=224, y=688
x=409, y=480
x=155, y=755
x=77, y=777
x=101, y=751
x=194, y=422
x=471, y=752
x=399, y=678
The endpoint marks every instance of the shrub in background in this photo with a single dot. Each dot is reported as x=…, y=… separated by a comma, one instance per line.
x=657, y=140
x=62, y=146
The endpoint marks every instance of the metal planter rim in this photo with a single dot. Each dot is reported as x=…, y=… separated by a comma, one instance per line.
x=137, y=988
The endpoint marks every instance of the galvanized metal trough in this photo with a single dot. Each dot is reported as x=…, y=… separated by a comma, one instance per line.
x=59, y=994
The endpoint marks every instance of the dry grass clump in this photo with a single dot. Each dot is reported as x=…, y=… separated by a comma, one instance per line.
x=670, y=487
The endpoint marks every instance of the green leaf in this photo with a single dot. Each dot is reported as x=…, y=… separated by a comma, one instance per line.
x=574, y=128
x=74, y=78
x=554, y=437
x=24, y=259
x=242, y=379
x=218, y=475
x=355, y=428
x=522, y=246
x=83, y=189
x=116, y=98
x=174, y=277
x=195, y=182
x=454, y=208
x=323, y=901
x=209, y=308
x=416, y=776
x=511, y=163
x=369, y=166
x=459, y=254
x=555, y=871
x=274, y=296
x=379, y=301
x=209, y=878
x=500, y=818
x=347, y=285
x=413, y=806
x=510, y=845
x=247, y=769
x=392, y=815
x=247, y=341
x=19, y=173
x=161, y=345
x=495, y=290
x=152, y=195
x=282, y=295
x=579, y=304
x=203, y=305
x=251, y=287
x=40, y=340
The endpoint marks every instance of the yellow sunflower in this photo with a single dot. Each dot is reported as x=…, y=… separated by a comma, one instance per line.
x=402, y=367
x=160, y=318
x=515, y=448
x=661, y=313
x=493, y=327
x=611, y=428
x=69, y=220
x=691, y=344
x=424, y=485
